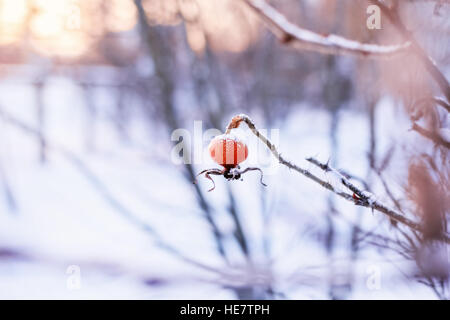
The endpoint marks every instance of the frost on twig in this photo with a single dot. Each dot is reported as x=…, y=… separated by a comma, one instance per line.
x=356, y=195
x=307, y=40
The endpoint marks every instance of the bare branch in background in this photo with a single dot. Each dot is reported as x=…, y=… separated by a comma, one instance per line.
x=41, y=115
x=441, y=102
x=427, y=102
x=433, y=136
x=163, y=59
x=8, y=192
x=427, y=61
x=102, y=190
x=304, y=39
x=358, y=196
x=389, y=193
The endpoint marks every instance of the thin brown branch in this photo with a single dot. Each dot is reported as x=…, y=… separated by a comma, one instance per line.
x=304, y=39
x=427, y=61
x=442, y=103
x=365, y=199
x=427, y=102
x=357, y=196
x=389, y=193
x=433, y=136
x=163, y=59
x=102, y=190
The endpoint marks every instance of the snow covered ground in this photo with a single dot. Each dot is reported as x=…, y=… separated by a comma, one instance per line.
x=106, y=213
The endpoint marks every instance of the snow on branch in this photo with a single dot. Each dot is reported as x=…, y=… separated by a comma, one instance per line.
x=356, y=195
x=305, y=39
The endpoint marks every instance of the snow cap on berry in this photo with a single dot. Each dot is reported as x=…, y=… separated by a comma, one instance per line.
x=228, y=150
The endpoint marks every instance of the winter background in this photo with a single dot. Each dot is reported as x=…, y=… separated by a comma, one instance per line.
x=93, y=205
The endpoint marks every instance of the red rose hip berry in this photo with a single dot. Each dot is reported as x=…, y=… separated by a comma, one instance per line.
x=227, y=150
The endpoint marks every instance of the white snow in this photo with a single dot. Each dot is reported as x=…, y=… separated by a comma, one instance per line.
x=65, y=219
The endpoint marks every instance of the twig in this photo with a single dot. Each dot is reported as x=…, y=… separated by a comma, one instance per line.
x=162, y=58
x=9, y=194
x=441, y=102
x=433, y=136
x=429, y=64
x=430, y=100
x=365, y=199
x=388, y=191
x=102, y=190
x=359, y=197
x=305, y=39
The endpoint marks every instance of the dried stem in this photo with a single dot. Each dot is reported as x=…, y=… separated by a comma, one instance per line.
x=304, y=39
x=102, y=190
x=441, y=102
x=433, y=136
x=392, y=14
x=357, y=196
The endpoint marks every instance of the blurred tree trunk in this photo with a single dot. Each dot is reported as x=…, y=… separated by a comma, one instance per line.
x=39, y=86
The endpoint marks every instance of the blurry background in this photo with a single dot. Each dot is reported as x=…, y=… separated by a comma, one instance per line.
x=92, y=205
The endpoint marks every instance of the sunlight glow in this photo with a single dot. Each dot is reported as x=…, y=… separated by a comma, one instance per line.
x=70, y=28
x=12, y=16
x=229, y=24
x=56, y=29
x=225, y=25
x=122, y=15
x=162, y=11
x=66, y=28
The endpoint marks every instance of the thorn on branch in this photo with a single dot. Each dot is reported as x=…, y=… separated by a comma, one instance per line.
x=363, y=198
x=286, y=38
